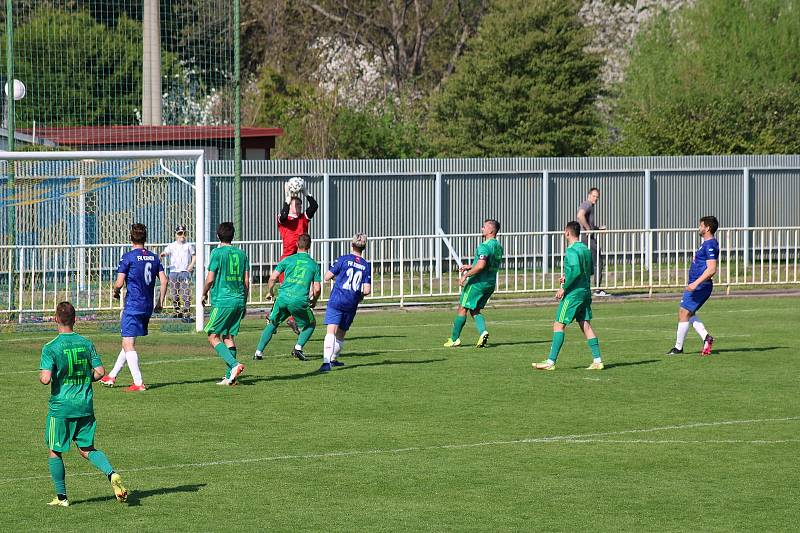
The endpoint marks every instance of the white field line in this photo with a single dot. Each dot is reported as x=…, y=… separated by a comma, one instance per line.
x=558, y=439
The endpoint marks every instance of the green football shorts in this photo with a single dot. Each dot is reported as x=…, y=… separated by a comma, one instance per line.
x=299, y=309
x=225, y=320
x=475, y=296
x=58, y=432
x=574, y=306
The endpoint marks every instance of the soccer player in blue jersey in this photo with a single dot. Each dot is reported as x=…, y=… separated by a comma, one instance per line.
x=353, y=276
x=138, y=270
x=701, y=283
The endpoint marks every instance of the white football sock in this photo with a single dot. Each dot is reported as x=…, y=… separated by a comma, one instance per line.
x=683, y=329
x=337, y=348
x=327, y=347
x=119, y=365
x=698, y=326
x=133, y=364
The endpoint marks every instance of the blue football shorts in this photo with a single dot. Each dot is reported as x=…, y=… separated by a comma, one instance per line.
x=692, y=301
x=134, y=325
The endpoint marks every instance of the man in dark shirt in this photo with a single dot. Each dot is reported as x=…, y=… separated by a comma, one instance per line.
x=585, y=217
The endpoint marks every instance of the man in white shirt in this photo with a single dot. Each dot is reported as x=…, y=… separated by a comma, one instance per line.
x=181, y=263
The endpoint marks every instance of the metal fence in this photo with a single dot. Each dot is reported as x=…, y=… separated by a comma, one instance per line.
x=420, y=268
x=421, y=197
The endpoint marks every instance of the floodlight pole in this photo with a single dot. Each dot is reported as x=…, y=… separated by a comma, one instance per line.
x=11, y=219
x=237, y=123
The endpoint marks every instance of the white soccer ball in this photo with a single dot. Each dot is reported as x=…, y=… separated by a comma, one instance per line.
x=296, y=186
x=19, y=90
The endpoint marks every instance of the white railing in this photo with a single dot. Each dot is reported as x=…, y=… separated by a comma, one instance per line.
x=408, y=269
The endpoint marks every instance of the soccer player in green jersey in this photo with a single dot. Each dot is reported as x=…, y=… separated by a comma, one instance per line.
x=575, y=297
x=298, y=295
x=69, y=365
x=478, y=282
x=228, y=279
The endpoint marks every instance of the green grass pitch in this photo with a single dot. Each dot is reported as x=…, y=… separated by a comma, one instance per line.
x=415, y=437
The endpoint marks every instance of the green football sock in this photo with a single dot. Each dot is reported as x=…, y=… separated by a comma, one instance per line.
x=226, y=355
x=458, y=325
x=57, y=472
x=302, y=339
x=555, y=347
x=266, y=336
x=480, y=323
x=233, y=352
x=100, y=461
x=594, y=345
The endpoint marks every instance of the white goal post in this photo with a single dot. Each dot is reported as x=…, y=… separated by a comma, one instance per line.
x=15, y=201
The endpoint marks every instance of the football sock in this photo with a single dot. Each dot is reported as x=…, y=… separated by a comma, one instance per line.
x=458, y=325
x=118, y=365
x=133, y=365
x=594, y=346
x=698, y=326
x=305, y=334
x=683, y=329
x=225, y=353
x=266, y=336
x=480, y=323
x=58, y=473
x=100, y=461
x=327, y=347
x=232, y=349
x=555, y=347
x=337, y=348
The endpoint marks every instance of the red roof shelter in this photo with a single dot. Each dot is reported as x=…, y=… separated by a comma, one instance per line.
x=217, y=141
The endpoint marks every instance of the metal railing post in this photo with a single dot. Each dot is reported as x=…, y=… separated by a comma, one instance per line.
x=545, y=220
x=746, y=214
x=438, y=223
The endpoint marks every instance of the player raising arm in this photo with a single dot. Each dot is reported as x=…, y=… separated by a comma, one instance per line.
x=293, y=222
x=353, y=276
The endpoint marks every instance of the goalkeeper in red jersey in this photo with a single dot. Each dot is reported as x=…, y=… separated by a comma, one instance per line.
x=293, y=222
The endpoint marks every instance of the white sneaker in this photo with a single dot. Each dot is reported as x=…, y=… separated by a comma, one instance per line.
x=601, y=293
x=225, y=381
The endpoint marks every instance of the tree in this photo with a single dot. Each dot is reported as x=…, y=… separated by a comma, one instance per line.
x=417, y=40
x=723, y=77
x=78, y=71
x=524, y=87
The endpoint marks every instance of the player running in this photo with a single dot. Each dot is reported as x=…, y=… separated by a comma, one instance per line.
x=478, y=282
x=298, y=295
x=292, y=223
x=228, y=279
x=353, y=282
x=576, y=299
x=701, y=284
x=137, y=271
x=69, y=365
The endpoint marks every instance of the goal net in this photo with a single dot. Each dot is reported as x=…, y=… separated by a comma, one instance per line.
x=66, y=219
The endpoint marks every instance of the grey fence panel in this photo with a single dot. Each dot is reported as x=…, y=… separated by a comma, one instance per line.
x=398, y=205
x=775, y=195
x=683, y=197
x=515, y=200
x=621, y=203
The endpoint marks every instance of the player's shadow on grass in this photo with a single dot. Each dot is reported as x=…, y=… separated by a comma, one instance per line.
x=609, y=366
x=152, y=386
x=372, y=337
x=515, y=343
x=734, y=350
x=252, y=380
x=135, y=496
